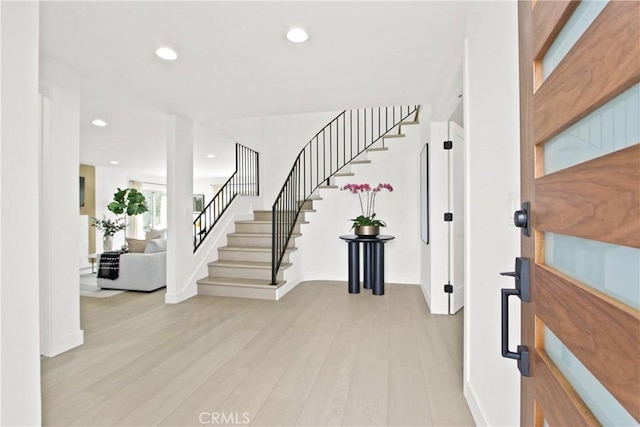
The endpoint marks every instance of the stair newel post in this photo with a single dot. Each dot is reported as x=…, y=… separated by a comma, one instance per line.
x=257, y=172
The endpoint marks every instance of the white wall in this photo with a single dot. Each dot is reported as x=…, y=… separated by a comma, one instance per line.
x=283, y=138
x=321, y=254
x=206, y=186
x=59, y=218
x=20, y=402
x=324, y=256
x=491, y=383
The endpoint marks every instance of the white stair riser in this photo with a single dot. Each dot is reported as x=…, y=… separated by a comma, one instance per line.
x=253, y=256
x=243, y=273
x=237, y=291
x=260, y=241
x=259, y=228
x=307, y=205
x=266, y=216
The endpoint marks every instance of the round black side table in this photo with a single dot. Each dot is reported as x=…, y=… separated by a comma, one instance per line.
x=373, y=255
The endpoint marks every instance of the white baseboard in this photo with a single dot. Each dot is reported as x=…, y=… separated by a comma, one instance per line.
x=286, y=288
x=178, y=297
x=427, y=296
x=66, y=343
x=476, y=412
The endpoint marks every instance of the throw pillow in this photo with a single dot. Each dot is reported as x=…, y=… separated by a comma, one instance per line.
x=155, y=246
x=156, y=234
x=136, y=246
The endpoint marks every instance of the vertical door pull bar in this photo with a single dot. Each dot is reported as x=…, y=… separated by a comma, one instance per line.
x=522, y=290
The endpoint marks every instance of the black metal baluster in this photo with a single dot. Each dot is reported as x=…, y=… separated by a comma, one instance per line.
x=344, y=138
x=324, y=155
x=365, y=127
x=372, y=137
x=330, y=149
x=351, y=131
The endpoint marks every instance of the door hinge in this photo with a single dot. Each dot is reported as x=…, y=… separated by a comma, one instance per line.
x=448, y=217
x=448, y=288
x=448, y=145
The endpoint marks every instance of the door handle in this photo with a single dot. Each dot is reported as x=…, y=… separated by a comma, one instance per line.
x=522, y=279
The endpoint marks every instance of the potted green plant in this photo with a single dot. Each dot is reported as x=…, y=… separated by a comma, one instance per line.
x=109, y=227
x=129, y=202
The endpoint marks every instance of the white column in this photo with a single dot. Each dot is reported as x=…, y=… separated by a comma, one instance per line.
x=180, y=259
x=491, y=383
x=59, y=219
x=19, y=240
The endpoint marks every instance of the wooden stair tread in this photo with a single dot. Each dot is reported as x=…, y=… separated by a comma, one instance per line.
x=378, y=149
x=236, y=234
x=344, y=174
x=359, y=162
x=394, y=135
x=328, y=186
x=246, y=264
x=258, y=221
x=251, y=249
x=233, y=281
x=411, y=122
x=301, y=210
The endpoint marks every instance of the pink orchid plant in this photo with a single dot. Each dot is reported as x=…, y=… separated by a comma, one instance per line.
x=369, y=200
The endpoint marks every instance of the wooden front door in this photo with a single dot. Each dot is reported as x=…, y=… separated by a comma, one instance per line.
x=580, y=169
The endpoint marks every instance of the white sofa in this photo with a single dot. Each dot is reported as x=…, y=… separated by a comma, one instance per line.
x=139, y=272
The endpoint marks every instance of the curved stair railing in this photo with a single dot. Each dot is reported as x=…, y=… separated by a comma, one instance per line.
x=338, y=143
x=244, y=181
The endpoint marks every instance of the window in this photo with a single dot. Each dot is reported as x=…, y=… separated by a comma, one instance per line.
x=156, y=216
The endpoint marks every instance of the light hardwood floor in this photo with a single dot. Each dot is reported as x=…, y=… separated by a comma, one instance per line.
x=320, y=357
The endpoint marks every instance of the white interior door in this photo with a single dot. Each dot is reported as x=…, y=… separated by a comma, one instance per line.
x=456, y=227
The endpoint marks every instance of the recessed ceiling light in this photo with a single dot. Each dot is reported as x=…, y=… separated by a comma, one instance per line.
x=211, y=156
x=114, y=162
x=297, y=35
x=99, y=122
x=167, y=54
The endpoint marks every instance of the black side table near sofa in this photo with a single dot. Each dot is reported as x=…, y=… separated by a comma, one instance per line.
x=373, y=257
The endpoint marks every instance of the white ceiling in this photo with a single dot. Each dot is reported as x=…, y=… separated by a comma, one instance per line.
x=235, y=62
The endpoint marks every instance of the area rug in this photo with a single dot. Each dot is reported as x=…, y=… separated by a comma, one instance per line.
x=89, y=288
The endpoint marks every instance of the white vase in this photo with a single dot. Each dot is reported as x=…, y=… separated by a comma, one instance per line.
x=107, y=243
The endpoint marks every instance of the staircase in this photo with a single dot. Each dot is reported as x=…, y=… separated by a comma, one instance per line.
x=243, y=267
x=246, y=266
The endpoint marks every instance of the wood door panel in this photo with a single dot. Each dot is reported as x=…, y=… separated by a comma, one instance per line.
x=597, y=200
x=601, y=65
x=548, y=19
x=559, y=401
x=561, y=404
x=603, y=333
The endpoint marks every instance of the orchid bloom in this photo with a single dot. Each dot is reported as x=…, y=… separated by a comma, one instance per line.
x=368, y=214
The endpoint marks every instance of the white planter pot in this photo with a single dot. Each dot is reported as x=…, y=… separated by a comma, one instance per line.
x=107, y=243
